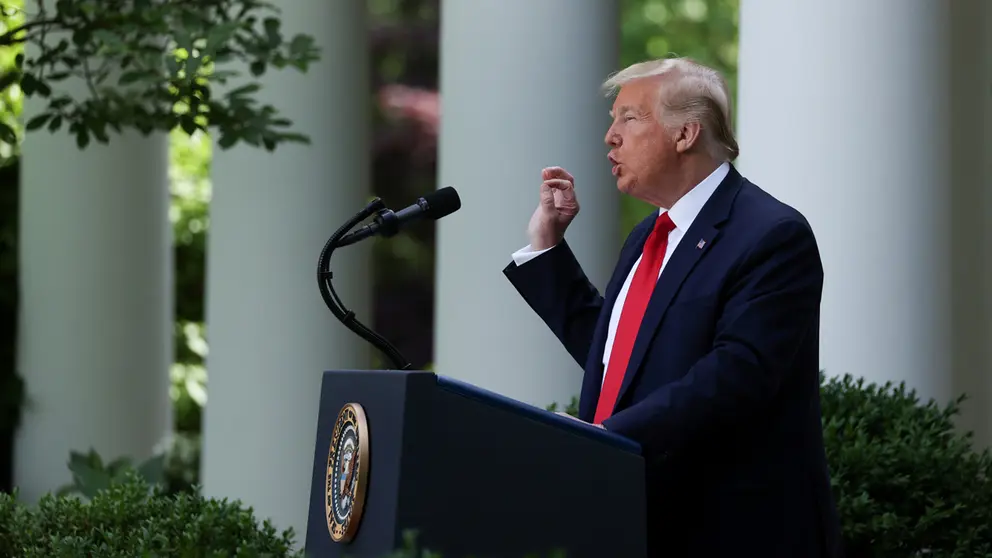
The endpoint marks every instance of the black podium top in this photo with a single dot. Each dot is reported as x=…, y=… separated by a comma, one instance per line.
x=529, y=411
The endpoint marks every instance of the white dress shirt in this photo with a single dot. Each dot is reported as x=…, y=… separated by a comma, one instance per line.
x=683, y=213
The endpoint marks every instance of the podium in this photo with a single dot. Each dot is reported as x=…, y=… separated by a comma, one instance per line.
x=474, y=473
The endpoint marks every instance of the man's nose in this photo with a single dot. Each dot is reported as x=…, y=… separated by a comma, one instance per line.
x=612, y=138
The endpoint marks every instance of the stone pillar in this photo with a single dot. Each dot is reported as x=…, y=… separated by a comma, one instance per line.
x=861, y=115
x=520, y=91
x=95, y=333
x=269, y=332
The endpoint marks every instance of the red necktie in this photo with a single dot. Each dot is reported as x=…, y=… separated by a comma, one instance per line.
x=638, y=295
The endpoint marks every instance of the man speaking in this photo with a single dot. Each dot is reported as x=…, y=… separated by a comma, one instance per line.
x=705, y=346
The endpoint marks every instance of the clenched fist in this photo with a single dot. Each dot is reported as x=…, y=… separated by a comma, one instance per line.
x=557, y=208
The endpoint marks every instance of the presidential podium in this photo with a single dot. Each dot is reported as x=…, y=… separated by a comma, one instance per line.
x=472, y=472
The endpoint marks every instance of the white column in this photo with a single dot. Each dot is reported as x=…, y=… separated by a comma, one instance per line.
x=95, y=339
x=860, y=114
x=520, y=91
x=269, y=332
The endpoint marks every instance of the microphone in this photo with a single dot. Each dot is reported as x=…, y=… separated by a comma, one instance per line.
x=433, y=206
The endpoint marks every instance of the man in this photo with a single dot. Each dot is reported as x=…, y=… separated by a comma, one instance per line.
x=704, y=346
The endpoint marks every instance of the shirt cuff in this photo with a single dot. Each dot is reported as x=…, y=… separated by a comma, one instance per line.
x=526, y=254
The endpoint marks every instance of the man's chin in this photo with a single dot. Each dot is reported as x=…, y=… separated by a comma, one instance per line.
x=624, y=185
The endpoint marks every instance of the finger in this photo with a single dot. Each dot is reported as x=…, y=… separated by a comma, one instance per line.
x=558, y=184
x=565, y=202
x=557, y=172
x=547, y=195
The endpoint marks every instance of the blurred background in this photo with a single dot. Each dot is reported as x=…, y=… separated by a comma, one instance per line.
x=158, y=296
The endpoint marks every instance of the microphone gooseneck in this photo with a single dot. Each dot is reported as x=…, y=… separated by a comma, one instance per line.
x=333, y=302
x=435, y=205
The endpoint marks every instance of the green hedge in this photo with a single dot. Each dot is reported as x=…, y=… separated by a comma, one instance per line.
x=907, y=484
x=129, y=520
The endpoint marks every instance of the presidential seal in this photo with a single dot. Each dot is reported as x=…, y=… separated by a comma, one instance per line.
x=347, y=473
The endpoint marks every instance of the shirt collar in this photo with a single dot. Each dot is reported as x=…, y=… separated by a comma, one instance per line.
x=684, y=212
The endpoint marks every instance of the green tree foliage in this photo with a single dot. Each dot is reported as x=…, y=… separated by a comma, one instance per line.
x=11, y=98
x=189, y=174
x=106, y=65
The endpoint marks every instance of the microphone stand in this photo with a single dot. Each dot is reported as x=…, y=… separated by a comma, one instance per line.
x=347, y=317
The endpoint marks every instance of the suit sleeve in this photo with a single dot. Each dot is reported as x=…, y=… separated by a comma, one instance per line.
x=772, y=306
x=555, y=287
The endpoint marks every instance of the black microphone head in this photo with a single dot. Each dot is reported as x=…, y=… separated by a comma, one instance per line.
x=441, y=203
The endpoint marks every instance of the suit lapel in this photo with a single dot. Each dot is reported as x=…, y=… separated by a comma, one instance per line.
x=694, y=244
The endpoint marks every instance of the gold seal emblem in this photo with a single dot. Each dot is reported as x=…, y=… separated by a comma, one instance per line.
x=347, y=473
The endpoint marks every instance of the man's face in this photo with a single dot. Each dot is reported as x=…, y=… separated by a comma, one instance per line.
x=640, y=148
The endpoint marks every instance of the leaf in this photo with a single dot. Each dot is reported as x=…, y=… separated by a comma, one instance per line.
x=38, y=121
x=133, y=76
x=29, y=84
x=226, y=141
x=7, y=134
x=60, y=102
x=153, y=470
x=108, y=38
x=219, y=35
x=188, y=124
x=296, y=138
x=272, y=26
x=82, y=138
x=43, y=89
x=89, y=481
x=55, y=124
x=99, y=130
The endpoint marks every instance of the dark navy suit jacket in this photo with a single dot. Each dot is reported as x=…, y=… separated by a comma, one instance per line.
x=722, y=388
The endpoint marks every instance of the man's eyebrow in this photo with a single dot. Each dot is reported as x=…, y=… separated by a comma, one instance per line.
x=622, y=108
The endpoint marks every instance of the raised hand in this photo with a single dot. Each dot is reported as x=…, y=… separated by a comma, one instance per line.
x=557, y=207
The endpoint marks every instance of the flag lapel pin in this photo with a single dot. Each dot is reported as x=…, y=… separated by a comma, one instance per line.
x=701, y=244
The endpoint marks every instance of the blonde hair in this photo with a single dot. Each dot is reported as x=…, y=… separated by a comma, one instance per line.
x=695, y=93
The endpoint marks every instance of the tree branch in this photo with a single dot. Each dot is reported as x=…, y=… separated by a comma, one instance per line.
x=10, y=37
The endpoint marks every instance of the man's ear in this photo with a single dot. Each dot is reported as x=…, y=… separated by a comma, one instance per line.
x=686, y=136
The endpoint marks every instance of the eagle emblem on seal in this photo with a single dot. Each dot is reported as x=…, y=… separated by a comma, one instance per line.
x=347, y=473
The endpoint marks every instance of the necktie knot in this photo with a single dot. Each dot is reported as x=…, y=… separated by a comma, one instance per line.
x=664, y=224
